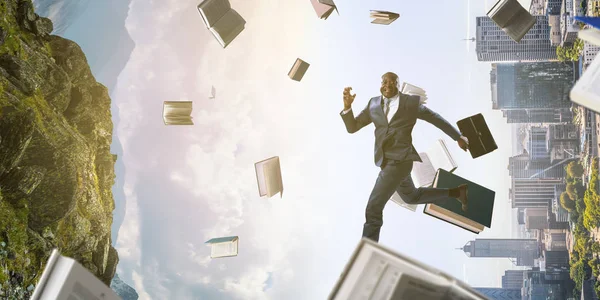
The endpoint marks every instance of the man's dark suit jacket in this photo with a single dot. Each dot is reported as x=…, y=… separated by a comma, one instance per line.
x=393, y=140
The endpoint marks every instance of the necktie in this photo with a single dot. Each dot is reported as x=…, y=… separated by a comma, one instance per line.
x=386, y=108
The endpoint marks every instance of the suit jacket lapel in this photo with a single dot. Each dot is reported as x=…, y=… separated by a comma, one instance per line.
x=381, y=108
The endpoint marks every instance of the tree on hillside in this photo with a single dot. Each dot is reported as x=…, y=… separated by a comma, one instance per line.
x=567, y=202
x=575, y=169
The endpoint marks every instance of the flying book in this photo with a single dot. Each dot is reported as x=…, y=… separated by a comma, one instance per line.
x=480, y=208
x=396, y=198
x=475, y=129
x=65, y=278
x=376, y=272
x=438, y=157
x=383, y=17
x=410, y=89
x=323, y=8
x=223, y=21
x=298, y=70
x=223, y=246
x=590, y=35
x=268, y=175
x=177, y=113
x=515, y=20
x=213, y=92
x=586, y=91
x=592, y=21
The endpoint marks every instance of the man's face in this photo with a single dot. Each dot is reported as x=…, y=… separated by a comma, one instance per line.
x=389, y=86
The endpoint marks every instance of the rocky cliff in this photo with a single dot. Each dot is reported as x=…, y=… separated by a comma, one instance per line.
x=56, y=169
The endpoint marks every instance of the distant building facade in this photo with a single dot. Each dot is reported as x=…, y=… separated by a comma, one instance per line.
x=494, y=45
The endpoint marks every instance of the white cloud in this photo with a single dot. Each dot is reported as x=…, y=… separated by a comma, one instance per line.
x=139, y=286
x=128, y=242
x=250, y=286
x=214, y=159
x=201, y=260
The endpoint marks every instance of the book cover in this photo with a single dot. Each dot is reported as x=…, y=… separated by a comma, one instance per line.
x=481, y=199
x=592, y=21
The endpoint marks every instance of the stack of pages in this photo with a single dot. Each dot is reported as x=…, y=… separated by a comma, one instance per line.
x=268, y=175
x=586, y=92
x=375, y=272
x=383, y=17
x=65, y=278
x=223, y=246
x=177, y=113
x=423, y=173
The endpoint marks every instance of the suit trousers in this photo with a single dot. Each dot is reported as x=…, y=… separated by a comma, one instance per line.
x=395, y=177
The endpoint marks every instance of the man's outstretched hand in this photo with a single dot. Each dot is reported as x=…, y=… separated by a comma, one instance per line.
x=348, y=99
x=463, y=143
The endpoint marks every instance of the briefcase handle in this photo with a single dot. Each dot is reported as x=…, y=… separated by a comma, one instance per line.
x=478, y=135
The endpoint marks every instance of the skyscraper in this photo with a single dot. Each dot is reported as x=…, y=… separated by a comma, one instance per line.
x=522, y=166
x=532, y=192
x=513, y=279
x=493, y=44
x=536, y=218
x=538, y=115
x=538, y=143
x=525, y=251
x=500, y=293
x=553, y=7
x=537, y=85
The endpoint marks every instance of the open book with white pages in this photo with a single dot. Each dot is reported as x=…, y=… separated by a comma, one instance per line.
x=375, y=272
x=423, y=173
x=65, y=278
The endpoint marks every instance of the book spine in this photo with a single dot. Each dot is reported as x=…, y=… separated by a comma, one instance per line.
x=425, y=212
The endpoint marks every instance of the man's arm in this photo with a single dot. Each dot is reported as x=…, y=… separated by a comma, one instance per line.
x=436, y=120
x=355, y=124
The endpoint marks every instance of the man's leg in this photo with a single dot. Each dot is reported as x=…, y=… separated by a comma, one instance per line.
x=413, y=195
x=390, y=175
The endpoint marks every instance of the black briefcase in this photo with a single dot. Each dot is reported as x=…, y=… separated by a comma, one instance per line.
x=475, y=129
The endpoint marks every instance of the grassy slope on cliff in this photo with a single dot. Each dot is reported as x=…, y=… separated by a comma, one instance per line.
x=56, y=170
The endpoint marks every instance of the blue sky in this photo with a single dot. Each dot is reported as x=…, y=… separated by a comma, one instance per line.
x=185, y=185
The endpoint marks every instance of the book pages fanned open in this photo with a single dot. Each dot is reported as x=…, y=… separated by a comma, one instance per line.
x=396, y=198
x=65, y=278
x=586, y=91
x=268, y=176
x=221, y=20
x=177, y=113
x=437, y=157
x=223, y=246
x=407, y=88
x=375, y=272
x=512, y=18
